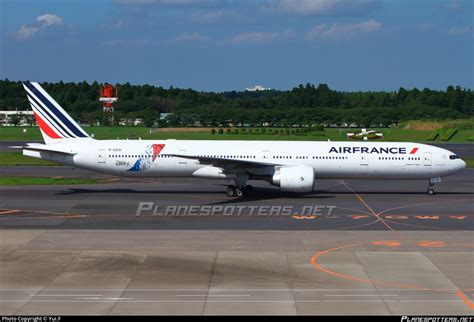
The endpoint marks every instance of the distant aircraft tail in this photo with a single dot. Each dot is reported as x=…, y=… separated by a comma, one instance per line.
x=55, y=124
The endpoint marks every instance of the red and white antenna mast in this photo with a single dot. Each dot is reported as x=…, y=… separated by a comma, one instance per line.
x=108, y=95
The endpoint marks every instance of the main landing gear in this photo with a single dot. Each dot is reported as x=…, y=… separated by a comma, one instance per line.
x=238, y=191
x=431, y=184
x=240, y=187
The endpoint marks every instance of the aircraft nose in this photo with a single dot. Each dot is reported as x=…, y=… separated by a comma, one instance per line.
x=462, y=165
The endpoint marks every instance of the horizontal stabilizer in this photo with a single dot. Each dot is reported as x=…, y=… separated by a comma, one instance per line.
x=47, y=148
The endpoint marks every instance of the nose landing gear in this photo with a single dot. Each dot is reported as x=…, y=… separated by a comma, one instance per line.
x=431, y=184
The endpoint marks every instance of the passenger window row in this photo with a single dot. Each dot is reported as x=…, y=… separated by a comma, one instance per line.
x=254, y=157
x=229, y=156
x=399, y=158
x=135, y=156
x=330, y=158
x=391, y=158
x=128, y=156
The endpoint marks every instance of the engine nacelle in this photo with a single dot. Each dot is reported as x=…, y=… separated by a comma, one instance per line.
x=294, y=179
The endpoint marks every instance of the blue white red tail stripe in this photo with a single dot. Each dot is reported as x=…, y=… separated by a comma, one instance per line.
x=58, y=110
x=47, y=116
x=50, y=104
x=53, y=121
x=40, y=114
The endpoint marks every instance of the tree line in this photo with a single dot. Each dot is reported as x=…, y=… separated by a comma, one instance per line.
x=303, y=105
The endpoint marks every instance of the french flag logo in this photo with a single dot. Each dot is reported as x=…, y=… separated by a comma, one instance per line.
x=413, y=151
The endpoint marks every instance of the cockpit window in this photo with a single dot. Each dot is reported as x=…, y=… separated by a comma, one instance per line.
x=453, y=157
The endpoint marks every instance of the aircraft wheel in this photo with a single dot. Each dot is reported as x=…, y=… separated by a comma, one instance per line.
x=231, y=191
x=239, y=192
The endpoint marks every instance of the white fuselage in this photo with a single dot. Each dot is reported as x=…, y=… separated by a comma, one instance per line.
x=366, y=160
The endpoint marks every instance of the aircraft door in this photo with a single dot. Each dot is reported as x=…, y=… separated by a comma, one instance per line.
x=427, y=159
x=102, y=155
x=364, y=159
x=266, y=155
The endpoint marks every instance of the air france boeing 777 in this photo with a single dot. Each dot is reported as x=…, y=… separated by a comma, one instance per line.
x=292, y=166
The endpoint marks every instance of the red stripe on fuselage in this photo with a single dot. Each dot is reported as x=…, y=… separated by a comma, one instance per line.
x=157, y=149
x=46, y=129
x=413, y=151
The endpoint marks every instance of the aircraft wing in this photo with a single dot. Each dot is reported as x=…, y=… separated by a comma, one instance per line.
x=225, y=163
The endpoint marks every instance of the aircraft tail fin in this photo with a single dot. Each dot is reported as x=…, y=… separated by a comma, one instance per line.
x=55, y=124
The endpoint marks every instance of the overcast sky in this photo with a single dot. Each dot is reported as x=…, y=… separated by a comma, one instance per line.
x=218, y=45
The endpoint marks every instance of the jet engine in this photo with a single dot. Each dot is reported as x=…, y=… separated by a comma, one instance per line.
x=294, y=179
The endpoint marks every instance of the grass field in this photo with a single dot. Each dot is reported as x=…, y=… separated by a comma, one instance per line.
x=15, y=181
x=392, y=134
x=18, y=159
x=460, y=124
